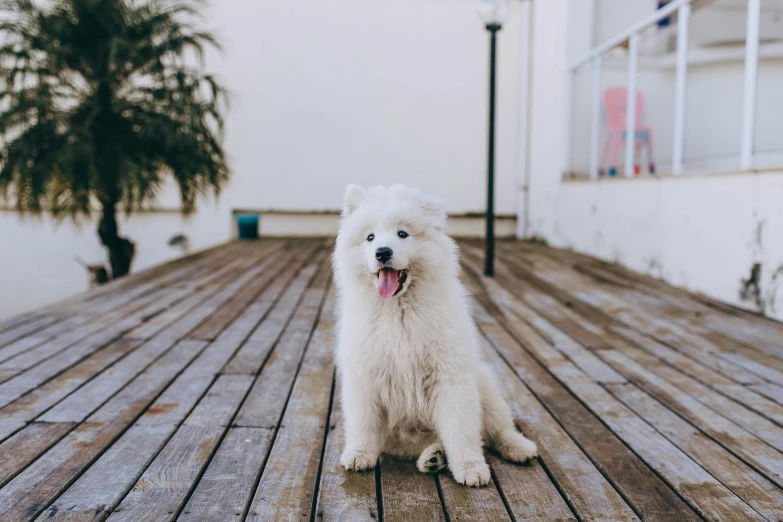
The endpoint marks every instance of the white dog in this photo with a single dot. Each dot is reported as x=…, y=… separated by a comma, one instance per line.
x=413, y=383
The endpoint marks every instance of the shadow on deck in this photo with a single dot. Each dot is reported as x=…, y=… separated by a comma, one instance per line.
x=203, y=390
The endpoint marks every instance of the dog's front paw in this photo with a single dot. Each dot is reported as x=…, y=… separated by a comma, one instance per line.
x=472, y=472
x=516, y=448
x=357, y=460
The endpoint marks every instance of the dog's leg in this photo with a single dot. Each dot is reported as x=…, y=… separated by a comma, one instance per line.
x=362, y=425
x=498, y=425
x=458, y=422
x=432, y=459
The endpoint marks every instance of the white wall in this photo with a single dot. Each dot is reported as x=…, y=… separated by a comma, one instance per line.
x=324, y=92
x=615, y=16
x=547, y=117
x=328, y=92
x=697, y=232
x=38, y=265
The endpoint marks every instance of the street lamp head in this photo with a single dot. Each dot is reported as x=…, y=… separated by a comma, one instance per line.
x=493, y=12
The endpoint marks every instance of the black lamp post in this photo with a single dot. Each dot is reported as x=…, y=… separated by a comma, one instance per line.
x=493, y=13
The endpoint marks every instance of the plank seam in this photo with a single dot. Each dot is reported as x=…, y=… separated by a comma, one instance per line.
x=323, y=445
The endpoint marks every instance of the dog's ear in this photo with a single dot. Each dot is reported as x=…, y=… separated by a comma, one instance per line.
x=353, y=196
x=435, y=208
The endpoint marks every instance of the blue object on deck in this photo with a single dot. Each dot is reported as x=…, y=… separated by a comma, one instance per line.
x=247, y=225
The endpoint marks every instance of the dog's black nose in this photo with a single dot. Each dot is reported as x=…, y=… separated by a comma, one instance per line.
x=383, y=254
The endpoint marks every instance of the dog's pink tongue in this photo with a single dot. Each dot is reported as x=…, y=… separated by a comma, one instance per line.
x=388, y=282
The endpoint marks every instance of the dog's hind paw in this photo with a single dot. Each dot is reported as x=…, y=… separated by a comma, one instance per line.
x=432, y=459
x=513, y=446
x=472, y=473
x=358, y=460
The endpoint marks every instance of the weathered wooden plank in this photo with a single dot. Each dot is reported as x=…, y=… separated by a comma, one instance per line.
x=710, y=498
x=70, y=376
x=567, y=343
x=732, y=410
x=114, y=300
x=753, y=351
x=464, y=503
x=98, y=490
x=210, y=328
x=17, y=320
x=638, y=484
x=756, y=337
x=162, y=490
x=761, y=494
x=529, y=493
x=761, y=427
x=102, y=479
x=742, y=443
x=254, y=352
x=593, y=301
x=773, y=391
x=24, y=329
x=78, y=405
x=17, y=452
x=205, y=309
x=35, y=376
x=288, y=481
x=30, y=341
x=408, y=495
x=344, y=496
x=122, y=465
x=34, y=488
x=220, y=403
x=29, y=406
x=161, y=273
x=277, y=280
x=755, y=367
x=236, y=462
x=528, y=490
x=224, y=281
x=702, y=491
x=742, y=394
x=191, y=278
x=586, y=488
x=633, y=339
x=267, y=399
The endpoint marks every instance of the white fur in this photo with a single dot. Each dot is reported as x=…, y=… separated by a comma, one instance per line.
x=412, y=377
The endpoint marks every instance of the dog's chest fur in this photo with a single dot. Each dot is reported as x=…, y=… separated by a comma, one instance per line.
x=402, y=356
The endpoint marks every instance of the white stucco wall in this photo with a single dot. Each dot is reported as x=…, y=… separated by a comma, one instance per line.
x=699, y=232
x=38, y=255
x=324, y=92
x=329, y=92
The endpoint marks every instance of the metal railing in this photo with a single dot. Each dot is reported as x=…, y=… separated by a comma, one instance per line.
x=594, y=60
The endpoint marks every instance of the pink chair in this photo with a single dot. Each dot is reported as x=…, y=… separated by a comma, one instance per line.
x=615, y=105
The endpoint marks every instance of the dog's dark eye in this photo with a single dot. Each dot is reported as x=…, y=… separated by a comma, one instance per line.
x=402, y=234
x=370, y=237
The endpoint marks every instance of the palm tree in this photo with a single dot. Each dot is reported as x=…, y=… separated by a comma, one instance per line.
x=101, y=101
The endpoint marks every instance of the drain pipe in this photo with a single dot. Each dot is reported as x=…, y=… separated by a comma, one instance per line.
x=526, y=163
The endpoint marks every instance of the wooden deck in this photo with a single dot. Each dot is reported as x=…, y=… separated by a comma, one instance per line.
x=203, y=390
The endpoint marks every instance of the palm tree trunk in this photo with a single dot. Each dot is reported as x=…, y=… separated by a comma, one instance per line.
x=121, y=250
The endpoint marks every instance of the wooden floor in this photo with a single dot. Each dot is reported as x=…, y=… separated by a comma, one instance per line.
x=203, y=390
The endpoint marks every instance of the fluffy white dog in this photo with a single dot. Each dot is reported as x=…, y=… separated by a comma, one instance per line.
x=413, y=383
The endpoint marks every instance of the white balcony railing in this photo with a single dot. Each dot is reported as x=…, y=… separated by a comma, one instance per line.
x=589, y=68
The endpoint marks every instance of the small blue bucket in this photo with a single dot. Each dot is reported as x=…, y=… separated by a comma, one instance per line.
x=247, y=226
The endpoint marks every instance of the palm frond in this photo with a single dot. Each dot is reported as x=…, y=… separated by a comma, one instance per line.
x=101, y=101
